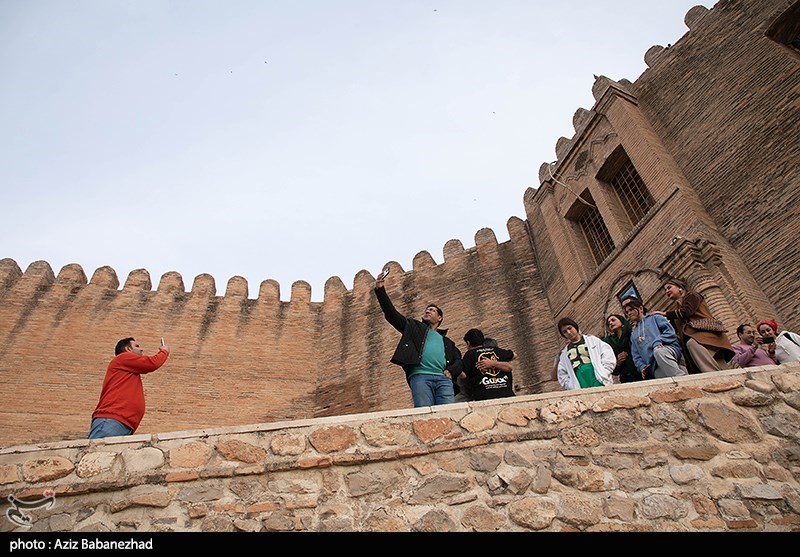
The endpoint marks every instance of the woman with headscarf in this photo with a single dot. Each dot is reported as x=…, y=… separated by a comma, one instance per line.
x=785, y=345
x=705, y=345
x=618, y=336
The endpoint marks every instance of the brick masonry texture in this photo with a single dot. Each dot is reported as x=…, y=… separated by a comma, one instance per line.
x=712, y=452
x=711, y=128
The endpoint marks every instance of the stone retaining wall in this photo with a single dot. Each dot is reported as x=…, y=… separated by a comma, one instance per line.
x=712, y=452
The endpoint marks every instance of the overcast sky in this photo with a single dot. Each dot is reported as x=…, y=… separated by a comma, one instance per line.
x=290, y=139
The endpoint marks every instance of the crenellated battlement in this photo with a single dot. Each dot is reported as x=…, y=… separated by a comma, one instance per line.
x=655, y=57
x=238, y=360
x=39, y=274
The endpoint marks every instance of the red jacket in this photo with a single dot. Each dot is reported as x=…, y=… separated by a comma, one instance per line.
x=122, y=397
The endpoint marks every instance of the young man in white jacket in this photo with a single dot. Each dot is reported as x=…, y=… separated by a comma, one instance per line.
x=586, y=361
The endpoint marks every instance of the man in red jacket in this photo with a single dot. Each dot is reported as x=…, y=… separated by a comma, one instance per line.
x=121, y=406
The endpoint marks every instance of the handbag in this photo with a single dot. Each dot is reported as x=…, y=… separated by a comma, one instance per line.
x=710, y=325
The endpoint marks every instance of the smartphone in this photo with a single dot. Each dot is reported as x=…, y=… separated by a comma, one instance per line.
x=767, y=340
x=162, y=341
x=385, y=273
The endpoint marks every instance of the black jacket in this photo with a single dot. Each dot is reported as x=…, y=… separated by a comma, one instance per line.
x=414, y=332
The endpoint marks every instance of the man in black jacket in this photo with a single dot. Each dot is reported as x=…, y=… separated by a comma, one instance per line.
x=430, y=360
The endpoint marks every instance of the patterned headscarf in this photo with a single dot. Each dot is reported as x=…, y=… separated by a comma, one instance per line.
x=679, y=283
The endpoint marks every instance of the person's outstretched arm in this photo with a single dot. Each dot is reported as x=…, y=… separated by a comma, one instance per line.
x=394, y=317
x=143, y=364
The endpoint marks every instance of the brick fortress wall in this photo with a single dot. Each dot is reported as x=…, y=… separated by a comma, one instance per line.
x=724, y=102
x=236, y=360
x=710, y=127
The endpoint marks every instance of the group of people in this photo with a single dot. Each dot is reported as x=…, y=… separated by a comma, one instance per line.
x=436, y=371
x=638, y=345
x=764, y=344
x=646, y=344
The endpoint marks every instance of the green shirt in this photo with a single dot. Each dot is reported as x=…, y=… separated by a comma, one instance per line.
x=433, y=359
x=578, y=355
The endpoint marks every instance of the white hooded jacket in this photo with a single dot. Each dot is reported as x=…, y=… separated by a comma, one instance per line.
x=603, y=360
x=787, y=347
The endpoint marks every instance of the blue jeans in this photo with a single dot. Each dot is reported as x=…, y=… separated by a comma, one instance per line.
x=107, y=427
x=430, y=390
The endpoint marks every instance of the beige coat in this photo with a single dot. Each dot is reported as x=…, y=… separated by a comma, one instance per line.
x=695, y=307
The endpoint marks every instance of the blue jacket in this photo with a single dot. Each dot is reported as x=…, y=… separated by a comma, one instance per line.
x=652, y=331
